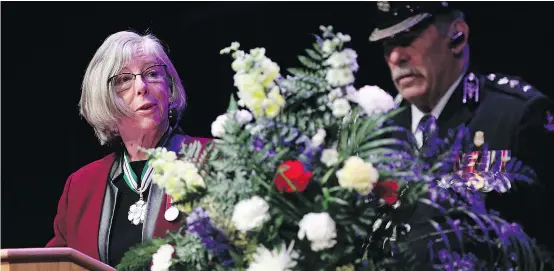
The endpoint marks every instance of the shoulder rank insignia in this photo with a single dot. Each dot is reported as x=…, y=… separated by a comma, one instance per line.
x=383, y=6
x=471, y=88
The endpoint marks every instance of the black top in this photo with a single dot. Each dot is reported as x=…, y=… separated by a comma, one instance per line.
x=125, y=234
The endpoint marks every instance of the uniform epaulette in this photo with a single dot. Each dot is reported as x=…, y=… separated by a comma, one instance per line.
x=512, y=85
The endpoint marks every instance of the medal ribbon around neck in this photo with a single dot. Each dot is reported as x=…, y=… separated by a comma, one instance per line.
x=130, y=177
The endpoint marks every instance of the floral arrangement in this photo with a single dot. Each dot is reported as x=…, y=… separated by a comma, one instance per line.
x=305, y=175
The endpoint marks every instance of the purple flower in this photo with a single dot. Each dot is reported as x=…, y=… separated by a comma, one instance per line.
x=450, y=261
x=258, y=144
x=200, y=224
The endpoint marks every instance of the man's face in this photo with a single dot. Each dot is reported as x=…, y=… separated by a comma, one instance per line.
x=417, y=62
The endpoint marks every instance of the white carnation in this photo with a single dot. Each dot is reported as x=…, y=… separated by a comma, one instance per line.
x=372, y=99
x=250, y=213
x=243, y=116
x=340, y=107
x=318, y=138
x=358, y=174
x=283, y=259
x=218, y=126
x=330, y=157
x=161, y=260
x=319, y=229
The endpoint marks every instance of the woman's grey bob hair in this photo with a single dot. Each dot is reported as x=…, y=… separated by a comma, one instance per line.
x=99, y=103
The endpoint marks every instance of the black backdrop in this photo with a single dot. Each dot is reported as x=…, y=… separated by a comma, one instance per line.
x=46, y=48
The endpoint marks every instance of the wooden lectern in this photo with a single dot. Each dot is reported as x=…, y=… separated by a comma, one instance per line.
x=49, y=259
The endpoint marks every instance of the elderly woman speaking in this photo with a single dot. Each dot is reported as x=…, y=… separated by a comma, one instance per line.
x=132, y=97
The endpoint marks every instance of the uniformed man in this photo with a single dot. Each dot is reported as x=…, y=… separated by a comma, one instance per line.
x=426, y=48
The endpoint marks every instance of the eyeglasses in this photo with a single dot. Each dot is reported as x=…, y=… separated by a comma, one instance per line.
x=124, y=81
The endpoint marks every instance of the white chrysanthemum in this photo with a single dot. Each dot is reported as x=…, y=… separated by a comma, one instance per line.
x=243, y=116
x=337, y=77
x=218, y=126
x=161, y=260
x=340, y=107
x=250, y=214
x=320, y=229
x=283, y=259
x=372, y=99
x=358, y=174
x=330, y=157
x=319, y=138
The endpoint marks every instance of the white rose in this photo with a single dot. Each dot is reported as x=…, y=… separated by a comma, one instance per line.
x=340, y=107
x=372, y=99
x=250, y=213
x=318, y=138
x=319, y=229
x=358, y=174
x=330, y=157
x=337, y=77
x=161, y=260
x=283, y=259
x=243, y=116
x=218, y=126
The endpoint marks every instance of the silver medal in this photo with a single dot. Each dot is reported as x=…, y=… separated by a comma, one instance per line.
x=137, y=212
x=171, y=214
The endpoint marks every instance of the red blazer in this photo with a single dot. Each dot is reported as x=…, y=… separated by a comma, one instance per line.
x=77, y=221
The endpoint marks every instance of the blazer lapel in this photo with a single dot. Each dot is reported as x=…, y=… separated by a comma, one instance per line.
x=94, y=208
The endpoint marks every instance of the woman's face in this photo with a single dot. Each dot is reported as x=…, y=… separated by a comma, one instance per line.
x=146, y=93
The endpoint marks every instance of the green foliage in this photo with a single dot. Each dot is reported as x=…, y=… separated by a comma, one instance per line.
x=140, y=256
x=191, y=254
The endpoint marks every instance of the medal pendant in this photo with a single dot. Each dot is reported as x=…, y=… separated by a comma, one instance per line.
x=137, y=212
x=171, y=214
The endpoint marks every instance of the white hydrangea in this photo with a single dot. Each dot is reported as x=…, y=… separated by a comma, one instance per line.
x=218, y=126
x=320, y=229
x=340, y=107
x=318, y=138
x=372, y=99
x=330, y=157
x=278, y=259
x=250, y=214
x=161, y=260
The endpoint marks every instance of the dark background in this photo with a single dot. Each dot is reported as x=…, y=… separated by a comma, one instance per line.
x=46, y=48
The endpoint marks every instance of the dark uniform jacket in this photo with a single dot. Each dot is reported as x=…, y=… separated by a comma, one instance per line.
x=515, y=116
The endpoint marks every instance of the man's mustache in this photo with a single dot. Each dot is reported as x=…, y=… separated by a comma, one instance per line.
x=400, y=72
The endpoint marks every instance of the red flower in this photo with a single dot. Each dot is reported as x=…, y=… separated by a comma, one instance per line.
x=294, y=171
x=387, y=190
